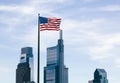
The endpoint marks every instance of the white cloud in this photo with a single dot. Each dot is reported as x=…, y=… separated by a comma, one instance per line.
x=107, y=8
x=7, y=8
x=105, y=46
x=86, y=31
x=88, y=0
x=19, y=9
x=117, y=61
x=100, y=52
x=111, y=8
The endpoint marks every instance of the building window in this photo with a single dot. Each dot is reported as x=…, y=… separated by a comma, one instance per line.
x=51, y=56
x=50, y=75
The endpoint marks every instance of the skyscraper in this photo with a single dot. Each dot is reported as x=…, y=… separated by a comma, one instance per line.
x=100, y=76
x=55, y=70
x=25, y=69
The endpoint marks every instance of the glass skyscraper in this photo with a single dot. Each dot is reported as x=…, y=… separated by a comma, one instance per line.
x=100, y=76
x=25, y=69
x=55, y=70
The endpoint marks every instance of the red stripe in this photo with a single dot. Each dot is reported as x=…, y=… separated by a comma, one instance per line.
x=50, y=29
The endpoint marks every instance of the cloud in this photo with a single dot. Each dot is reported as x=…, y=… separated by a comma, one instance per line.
x=110, y=8
x=87, y=29
x=105, y=47
x=89, y=35
x=117, y=61
x=107, y=8
x=18, y=9
x=88, y=0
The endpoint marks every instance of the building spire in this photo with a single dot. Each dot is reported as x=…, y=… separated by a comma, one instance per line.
x=61, y=34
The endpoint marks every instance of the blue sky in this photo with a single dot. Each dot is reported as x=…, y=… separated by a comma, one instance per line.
x=91, y=36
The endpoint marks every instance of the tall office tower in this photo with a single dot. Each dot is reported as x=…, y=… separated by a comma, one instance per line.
x=100, y=76
x=55, y=70
x=25, y=69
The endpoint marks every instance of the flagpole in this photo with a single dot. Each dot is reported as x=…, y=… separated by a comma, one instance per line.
x=38, y=61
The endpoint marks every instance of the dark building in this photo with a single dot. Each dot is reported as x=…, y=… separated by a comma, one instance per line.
x=24, y=71
x=100, y=76
x=55, y=70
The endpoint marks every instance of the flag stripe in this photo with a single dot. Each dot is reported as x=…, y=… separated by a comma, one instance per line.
x=56, y=29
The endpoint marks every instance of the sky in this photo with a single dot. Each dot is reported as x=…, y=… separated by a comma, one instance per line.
x=91, y=32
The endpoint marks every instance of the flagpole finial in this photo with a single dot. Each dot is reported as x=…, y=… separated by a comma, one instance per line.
x=61, y=34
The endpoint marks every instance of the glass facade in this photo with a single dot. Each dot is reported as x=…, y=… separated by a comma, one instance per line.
x=52, y=55
x=50, y=76
x=65, y=74
x=100, y=76
x=55, y=70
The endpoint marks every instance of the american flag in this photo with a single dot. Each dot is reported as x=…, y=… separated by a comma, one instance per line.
x=49, y=23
